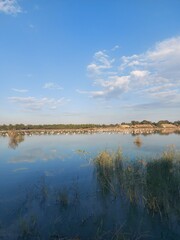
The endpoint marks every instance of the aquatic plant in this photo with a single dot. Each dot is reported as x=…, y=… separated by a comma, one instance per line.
x=154, y=182
x=15, y=138
x=138, y=141
x=132, y=181
x=62, y=197
x=83, y=154
x=105, y=169
x=162, y=184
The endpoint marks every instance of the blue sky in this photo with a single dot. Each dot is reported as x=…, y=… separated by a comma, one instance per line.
x=89, y=61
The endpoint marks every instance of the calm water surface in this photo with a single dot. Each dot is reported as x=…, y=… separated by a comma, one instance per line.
x=49, y=189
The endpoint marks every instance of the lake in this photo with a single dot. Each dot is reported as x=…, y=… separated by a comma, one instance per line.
x=96, y=186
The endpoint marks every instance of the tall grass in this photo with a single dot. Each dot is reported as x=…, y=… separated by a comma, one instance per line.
x=15, y=138
x=155, y=183
x=107, y=164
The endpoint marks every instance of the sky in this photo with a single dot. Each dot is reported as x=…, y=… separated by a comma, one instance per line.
x=89, y=61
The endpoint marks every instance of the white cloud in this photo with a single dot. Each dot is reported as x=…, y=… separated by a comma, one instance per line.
x=139, y=73
x=163, y=59
x=165, y=49
x=10, y=7
x=165, y=94
x=153, y=76
x=35, y=104
x=52, y=86
x=101, y=62
x=20, y=90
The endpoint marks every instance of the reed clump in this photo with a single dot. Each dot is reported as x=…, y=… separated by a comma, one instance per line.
x=154, y=182
x=107, y=164
x=138, y=141
x=162, y=183
x=15, y=138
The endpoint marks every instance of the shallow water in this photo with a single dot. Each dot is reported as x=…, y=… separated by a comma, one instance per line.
x=49, y=190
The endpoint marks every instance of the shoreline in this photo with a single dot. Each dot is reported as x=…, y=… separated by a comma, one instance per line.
x=130, y=130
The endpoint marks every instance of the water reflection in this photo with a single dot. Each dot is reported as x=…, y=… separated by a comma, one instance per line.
x=113, y=197
x=37, y=154
x=135, y=197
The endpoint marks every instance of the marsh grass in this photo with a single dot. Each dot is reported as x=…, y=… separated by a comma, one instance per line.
x=106, y=164
x=15, y=138
x=132, y=182
x=154, y=183
x=82, y=152
x=162, y=183
x=138, y=141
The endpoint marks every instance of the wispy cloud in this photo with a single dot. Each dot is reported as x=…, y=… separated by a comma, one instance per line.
x=101, y=62
x=115, y=47
x=20, y=90
x=36, y=104
x=153, y=105
x=52, y=86
x=10, y=7
x=153, y=76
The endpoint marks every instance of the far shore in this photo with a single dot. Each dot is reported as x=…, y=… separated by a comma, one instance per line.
x=118, y=129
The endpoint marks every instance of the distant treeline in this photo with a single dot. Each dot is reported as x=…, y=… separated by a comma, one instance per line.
x=49, y=126
x=5, y=127
x=157, y=124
